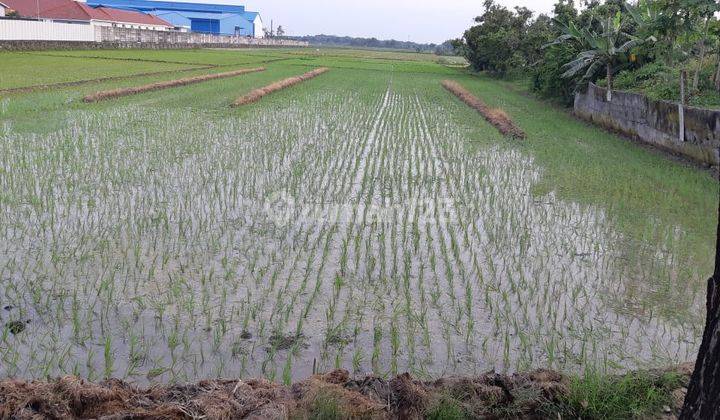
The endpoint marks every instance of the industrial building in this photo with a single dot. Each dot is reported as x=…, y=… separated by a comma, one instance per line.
x=218, y=19
x=71, y=11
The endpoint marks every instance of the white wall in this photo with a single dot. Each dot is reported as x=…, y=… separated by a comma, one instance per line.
x=2, y=10
x=23, y=30
x=129, y=25
x=259, y=33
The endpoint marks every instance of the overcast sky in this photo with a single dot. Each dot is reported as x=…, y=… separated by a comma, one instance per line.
x=414, y=20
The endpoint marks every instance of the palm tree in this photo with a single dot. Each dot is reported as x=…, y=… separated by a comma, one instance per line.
x=601, y=49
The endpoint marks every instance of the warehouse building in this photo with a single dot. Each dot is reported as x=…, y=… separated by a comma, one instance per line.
x=218, y=19
x=71, y=11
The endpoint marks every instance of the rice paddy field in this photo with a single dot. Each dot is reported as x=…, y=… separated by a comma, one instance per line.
x=365, y=219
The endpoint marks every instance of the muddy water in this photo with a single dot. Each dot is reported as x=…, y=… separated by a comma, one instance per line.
x=346, y=230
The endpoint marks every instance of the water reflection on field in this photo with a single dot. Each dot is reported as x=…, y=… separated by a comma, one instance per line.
x=346, y=230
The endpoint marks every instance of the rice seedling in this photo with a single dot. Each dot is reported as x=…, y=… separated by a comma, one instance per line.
x=379, y=228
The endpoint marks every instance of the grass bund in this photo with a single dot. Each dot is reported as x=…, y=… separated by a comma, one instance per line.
x=367, y=221
x=497, y=117
x=257, y=94
x=117, y=93
x=337, y=395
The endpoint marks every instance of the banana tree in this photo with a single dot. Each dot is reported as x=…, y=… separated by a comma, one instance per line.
x=601, y=49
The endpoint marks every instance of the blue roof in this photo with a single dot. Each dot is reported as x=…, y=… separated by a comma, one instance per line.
x=224, y=19
x=148, y=5
x=250, y=16
x=199, y=15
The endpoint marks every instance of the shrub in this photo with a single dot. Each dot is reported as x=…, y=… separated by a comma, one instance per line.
x=547, y=79
x=659, y=81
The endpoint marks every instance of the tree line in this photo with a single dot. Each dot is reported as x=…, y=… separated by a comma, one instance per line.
x=645, y=45
x=445, y=48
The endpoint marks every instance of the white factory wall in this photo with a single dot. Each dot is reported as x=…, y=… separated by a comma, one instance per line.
x=26, y=30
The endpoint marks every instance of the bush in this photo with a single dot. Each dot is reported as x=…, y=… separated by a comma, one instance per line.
x=628, y=79
x=547, y=79
x=658, y=81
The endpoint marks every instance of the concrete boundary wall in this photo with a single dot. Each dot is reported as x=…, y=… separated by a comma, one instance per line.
x=62, y=36
x=124, y=35
x=34, y=30
x=654, y=122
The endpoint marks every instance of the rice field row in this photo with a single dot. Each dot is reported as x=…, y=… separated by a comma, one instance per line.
x=365, y=220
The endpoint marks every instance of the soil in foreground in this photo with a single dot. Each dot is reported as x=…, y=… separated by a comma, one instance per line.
x=538, y=394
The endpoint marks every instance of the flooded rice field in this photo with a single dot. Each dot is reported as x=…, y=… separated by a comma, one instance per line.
x=363, y=230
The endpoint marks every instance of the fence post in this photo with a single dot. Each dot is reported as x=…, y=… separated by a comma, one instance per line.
x=681, y=107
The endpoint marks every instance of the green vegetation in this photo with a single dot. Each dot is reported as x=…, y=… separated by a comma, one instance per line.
x=30, y=69
x=325, y=406
x=198, y=57
x=642, y=395
x=646, y=44
x=660, y=81
x=591, y=395
x=445, y=408
x=374, y=43
x=591, y=171
x=365, y=219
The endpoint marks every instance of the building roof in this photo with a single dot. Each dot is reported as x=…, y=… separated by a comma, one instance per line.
x=29, y=8
x=126, y=16
x=199, y=15
x=71, y=10
x=74, y=10
x=147, y=5
x=251, y=16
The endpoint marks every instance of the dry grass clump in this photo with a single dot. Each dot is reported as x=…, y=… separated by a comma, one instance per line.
x=257, y=94
x=537, y=394
x=326, y=396
x=497, y=117
x=70, y=397
x=116, y=93
x=332, y=395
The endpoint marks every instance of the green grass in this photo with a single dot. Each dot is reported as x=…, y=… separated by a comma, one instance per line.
x=382, y=65
x=592, y=396
x=25, y=69
x=325, y=406
x=585, y=164
x=208, y=98
x=653, y=197
x=198, y=56
x=644, y=395
x=364, y=54
x=445, y=408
